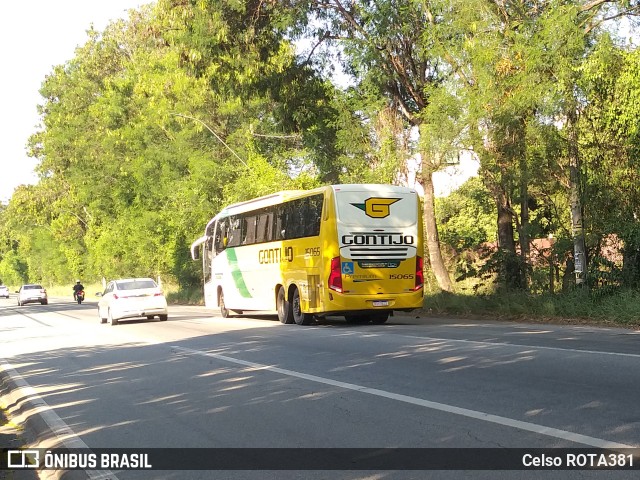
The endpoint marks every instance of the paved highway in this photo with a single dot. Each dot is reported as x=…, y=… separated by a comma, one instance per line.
x=199, y=380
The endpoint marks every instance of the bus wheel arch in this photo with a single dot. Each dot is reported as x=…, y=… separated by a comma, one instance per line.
x=224, y=311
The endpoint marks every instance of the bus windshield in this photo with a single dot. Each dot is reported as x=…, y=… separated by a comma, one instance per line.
x=366, y=208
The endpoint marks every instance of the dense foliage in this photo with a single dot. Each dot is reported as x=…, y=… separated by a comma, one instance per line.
x=163, y=118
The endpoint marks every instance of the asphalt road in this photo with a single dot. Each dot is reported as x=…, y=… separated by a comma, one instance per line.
x=201, y=381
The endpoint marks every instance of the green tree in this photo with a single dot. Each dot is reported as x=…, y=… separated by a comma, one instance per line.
x=517, y=63
x=159, y=121
x=610, y=150
x=466, y=216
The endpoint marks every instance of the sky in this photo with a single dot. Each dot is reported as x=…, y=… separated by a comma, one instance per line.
x=35, y=36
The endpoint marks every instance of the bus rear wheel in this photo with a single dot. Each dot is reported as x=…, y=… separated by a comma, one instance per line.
x=298, y=316
x=285, y=315
x=379, y=318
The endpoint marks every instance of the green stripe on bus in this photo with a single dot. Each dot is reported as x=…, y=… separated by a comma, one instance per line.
x=236, y=274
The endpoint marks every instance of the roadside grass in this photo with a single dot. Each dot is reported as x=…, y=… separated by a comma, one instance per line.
x=579, y=306
x=90, y=290
x=186, y=296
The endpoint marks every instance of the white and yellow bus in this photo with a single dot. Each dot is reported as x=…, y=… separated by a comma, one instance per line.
x=347, y=250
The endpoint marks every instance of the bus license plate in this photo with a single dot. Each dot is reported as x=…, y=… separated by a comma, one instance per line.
x=381, y=303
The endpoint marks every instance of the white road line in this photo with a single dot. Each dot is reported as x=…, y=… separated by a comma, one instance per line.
x=517, y=345
x=486, y=417
x=62, y=431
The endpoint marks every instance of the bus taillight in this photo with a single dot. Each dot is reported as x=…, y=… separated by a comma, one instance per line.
x=335, y=277
x=419, y=273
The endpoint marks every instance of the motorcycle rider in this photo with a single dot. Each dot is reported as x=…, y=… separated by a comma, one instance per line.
x=76, y=288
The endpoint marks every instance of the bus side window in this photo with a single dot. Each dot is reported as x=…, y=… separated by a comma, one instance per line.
x=294, y=219
x=313, y=216
x=279, y=223
x=264, y=226
x=235, y=231
x=248, y=229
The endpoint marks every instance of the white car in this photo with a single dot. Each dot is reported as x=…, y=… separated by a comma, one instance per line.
x=132, y=298
x=32, y=293
x=4, y=291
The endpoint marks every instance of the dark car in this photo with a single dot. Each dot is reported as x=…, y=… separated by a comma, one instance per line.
x=33, y=293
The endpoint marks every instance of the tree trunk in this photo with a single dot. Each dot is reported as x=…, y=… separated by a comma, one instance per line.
x=431, y=227
x=511, y=267
x=505, y=223
x=524, y=219
x=575, y=201
x=568, y=280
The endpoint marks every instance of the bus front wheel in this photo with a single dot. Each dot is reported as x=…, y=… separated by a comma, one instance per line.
x=224, y=311
x=298, y=316
x=285, y=315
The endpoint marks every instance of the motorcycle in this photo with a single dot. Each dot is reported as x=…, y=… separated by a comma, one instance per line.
x=80, y=296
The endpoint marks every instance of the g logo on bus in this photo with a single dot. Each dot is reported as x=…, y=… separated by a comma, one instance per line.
x=376, y=207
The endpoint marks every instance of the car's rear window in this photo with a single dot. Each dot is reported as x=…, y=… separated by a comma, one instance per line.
x=136, y=284
x=33, y=287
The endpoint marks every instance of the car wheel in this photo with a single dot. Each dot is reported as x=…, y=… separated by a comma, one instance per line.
x=113, y=321
x=149, y=317
x=285, y=315
x=163, y=318
x=299, y=317
x=44, y=303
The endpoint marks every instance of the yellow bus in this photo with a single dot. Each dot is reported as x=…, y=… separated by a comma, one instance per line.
x=344, y=250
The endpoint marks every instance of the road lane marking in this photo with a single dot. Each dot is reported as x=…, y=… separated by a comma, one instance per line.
x=62, y=431
x=517, y=345
x=370, y=334
x=465, y=412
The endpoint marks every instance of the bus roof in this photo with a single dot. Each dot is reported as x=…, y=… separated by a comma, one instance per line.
x=284, y=195
x=372, y=187
x=265, y=201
